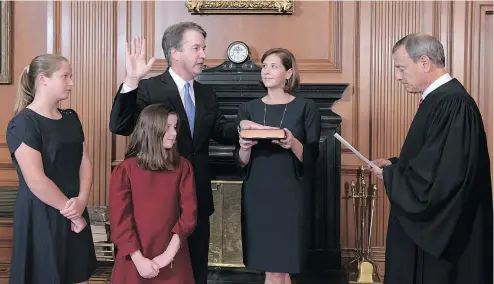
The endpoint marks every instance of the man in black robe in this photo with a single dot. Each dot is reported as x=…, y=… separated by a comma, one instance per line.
x=441, y=219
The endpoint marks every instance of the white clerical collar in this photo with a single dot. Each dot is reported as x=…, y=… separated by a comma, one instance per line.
x=178, y=80
x=436, y=84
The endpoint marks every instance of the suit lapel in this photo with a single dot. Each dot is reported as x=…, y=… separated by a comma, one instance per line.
x=199, y=112
x=173, y=95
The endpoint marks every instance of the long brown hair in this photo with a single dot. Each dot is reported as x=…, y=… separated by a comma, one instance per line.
x=146, y=142
x=45, y=64
x=288, y=61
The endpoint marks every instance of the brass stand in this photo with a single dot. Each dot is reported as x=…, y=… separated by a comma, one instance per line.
x=363, y=199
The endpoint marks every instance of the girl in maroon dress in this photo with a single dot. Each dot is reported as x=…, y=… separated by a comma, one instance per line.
x=152, y=204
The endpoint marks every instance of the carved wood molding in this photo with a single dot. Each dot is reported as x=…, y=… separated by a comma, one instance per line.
x=54, y=23
x=6, y=229
x=84, y=32
x=356, y=80
x=240, y=7
x=330, y=65
x=391, y=110
x=6, y=166
x=476, y=14
x=6, y=33
x=443, y=28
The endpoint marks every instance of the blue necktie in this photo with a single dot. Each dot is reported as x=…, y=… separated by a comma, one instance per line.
x=189, y=108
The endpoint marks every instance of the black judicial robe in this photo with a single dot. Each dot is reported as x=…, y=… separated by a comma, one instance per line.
x=441, y=219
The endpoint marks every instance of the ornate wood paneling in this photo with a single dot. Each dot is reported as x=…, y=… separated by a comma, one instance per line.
x=389, y=108
x=319, y=50
x=8, y=175
x=6, y=233
x=27, y=40
x=88, y=40
x=392, y=109
x=443, y=28
x=480, y=17
x=485, y=75
x=472, y=56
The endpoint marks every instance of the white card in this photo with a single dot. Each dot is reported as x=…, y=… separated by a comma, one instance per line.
x=344, y=142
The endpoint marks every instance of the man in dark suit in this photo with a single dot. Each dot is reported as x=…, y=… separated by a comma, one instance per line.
x=197, y=106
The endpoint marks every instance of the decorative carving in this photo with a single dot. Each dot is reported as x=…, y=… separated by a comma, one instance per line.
x=240, y=7
x=5, y=44
x=228, y=66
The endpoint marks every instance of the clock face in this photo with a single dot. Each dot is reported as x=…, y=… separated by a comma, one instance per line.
x=238, y=52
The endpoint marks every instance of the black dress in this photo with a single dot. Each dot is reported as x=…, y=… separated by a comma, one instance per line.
x=276, y=189
x=440, y=224
x=45, y=250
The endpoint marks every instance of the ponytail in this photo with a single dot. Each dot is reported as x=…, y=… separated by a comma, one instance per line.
x=25, y=91
x=45, y=64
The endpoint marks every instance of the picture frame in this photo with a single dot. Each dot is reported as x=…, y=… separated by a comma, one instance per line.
x=240, y=7
x=5, y=42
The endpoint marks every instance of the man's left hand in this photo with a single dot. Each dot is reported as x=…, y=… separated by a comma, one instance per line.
x=247, y=124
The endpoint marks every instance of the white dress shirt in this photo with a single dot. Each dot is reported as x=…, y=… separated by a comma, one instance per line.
x=436, y=84
x=180, y=86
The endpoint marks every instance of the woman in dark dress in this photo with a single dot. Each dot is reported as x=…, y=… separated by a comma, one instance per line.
x=153, y=204
x=52, y=237
x=275, y=192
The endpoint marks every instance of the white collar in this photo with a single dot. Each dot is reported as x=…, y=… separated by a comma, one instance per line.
x=436, y=84
x=178, y=80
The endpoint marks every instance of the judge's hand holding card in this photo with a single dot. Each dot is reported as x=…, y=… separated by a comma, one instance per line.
x=381, y=163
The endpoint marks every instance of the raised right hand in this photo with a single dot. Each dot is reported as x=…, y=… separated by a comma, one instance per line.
x=146, y=267
x=135, y=62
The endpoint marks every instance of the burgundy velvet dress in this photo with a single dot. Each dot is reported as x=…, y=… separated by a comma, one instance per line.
x=146, y=208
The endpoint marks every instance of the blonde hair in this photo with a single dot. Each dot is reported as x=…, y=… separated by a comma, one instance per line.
x=46, y=64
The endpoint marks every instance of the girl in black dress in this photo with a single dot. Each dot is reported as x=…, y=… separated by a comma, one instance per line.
x=52, y=237
x=276, y=189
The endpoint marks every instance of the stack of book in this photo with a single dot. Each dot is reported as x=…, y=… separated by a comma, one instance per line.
x=100, y=227
x=99, y=233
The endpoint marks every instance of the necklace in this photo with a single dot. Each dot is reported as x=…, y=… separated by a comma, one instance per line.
x=283, y=117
